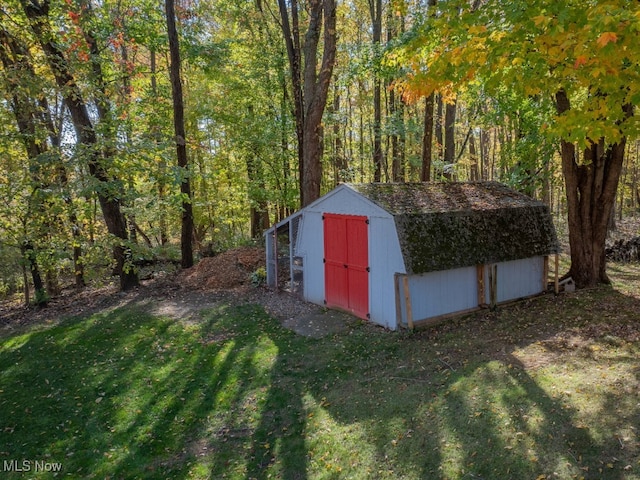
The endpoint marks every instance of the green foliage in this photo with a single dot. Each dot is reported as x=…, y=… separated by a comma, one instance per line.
x=535, y=48
x=10, y=270
x=258, y=277
x=41, y=297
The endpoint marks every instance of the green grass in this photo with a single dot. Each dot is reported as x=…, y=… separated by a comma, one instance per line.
x=548, y=388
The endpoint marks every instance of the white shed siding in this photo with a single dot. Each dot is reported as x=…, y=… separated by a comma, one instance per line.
x=311, y=248
x=343, y=200
x=385, y=259
x=439, y=293
x=520, y=278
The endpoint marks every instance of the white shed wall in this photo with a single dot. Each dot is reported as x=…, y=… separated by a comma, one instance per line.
x=385, y=258
x=520, y=278
x=439, y=293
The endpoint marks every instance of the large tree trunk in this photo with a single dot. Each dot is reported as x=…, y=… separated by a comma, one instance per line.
x=291, y=33
x=310, y=85
x=591, y=186
x=186, y=236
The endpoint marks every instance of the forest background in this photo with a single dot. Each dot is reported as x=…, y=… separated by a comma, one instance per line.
x=133, y=130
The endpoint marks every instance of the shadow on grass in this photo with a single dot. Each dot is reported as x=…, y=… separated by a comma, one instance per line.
x=129, y=395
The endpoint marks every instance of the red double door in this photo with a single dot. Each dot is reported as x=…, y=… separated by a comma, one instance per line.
x=346, y=263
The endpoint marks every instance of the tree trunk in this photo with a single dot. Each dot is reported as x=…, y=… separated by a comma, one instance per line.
x=162, y=167
x=310, y=86
x=29, y=255
x=375, y=10
x=186, y=234
x=427, y=135
x=450, y=140
x=439, y=127
x=427, y=139
x=591, y=187
x=259, y=214
x=14, y=58
x=291, y=33
x=339, y=159
x=473, y=156
x=37, y=13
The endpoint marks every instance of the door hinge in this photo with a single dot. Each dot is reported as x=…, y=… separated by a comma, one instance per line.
x=369, y=316
x=367, y=221
x=324, y=260
x=368, y=269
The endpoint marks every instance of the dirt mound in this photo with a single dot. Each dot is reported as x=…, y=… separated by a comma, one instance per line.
x=226, y=270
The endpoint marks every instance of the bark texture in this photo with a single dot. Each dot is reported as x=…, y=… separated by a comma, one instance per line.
x=591, y=181
x=186, y=232
x=310, y=85
x=38, y=16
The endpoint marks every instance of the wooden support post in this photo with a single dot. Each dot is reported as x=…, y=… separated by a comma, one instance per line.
x=482, y=296
x=556, y=275
x=275, y=256
x=545, y=273
x=407, y=301
x=396, y=284
x=493, y=286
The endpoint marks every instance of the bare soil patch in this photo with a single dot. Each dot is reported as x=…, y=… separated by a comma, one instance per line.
x=225, y=278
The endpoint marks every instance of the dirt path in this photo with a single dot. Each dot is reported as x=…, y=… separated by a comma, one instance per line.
x=174, y=298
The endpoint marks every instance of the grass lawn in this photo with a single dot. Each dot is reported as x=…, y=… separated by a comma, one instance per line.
x=548, y=388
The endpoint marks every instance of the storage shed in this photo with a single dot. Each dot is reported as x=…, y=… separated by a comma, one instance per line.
x=409, y=253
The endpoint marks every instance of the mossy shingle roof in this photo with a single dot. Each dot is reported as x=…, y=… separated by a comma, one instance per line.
x=442, y=226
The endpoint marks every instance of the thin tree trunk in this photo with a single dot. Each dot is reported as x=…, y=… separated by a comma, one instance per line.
x=450, y=140
x=37, y=13
x=474, y=173
x=427, y=134
x=14, y=58
x=186, y=235
x=339, y=158
x=375, y=10
x=291, y=33
x=427, y=139
x=29, y=255
x=155, y=132
x=258, y=212
x=439, y=127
